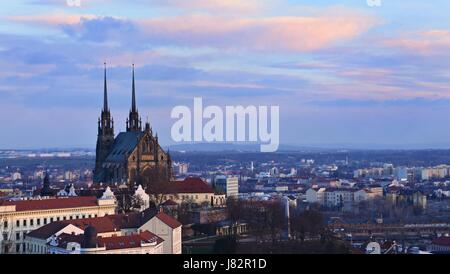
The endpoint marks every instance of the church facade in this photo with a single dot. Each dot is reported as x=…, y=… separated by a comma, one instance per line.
x=132, y=157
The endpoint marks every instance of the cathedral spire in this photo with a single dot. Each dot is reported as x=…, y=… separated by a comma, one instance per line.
x=134, y=122
x=133, y=95
x=105, y=92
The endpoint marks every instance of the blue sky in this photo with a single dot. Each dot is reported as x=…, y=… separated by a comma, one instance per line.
x=342, y=72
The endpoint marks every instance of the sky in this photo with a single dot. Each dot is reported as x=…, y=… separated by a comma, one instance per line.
x=342, y=72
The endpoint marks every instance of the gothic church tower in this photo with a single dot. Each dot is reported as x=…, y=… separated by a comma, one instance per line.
x=105, y=136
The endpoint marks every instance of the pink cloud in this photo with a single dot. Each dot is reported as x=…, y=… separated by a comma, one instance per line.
x=235, y=6
x=423, y=42
x=60, y=18
x=292, y=33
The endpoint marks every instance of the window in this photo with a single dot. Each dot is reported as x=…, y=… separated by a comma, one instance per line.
x=17, y=236
x=5, y=224
x=38, y=221
x=17, y=248
x=89, y=216
x=5, y=237
x=64, y=218
x=32, y=222
x=84, y=216
x=70, y=217
x=57, y=218
x=51, y=220
x=45, y=221
x=17, y=223
x=24, y=222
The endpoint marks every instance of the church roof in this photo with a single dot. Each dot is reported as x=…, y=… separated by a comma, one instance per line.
x=124, y=144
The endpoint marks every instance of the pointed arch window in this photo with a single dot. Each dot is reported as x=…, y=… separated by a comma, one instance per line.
x=147, y=146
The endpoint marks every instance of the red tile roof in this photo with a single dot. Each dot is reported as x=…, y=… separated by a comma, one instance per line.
x=169, y=203
x=114, y=242
x=52, y=203
x=168, y=220
x=189, y=185
x=101, y=224
x=47, y=231
x=129, y=241
x=444, y=241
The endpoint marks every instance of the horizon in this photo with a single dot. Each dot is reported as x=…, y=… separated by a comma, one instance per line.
x=249, y=146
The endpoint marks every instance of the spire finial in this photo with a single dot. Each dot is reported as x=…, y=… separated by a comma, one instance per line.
x=105, y=93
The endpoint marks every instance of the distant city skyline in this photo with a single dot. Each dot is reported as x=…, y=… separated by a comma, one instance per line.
x=342, y=73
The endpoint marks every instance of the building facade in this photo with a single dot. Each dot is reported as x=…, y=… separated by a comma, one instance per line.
x=147, y=232
x=23, y=216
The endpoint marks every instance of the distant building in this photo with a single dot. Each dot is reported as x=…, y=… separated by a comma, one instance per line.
x=182, y=168
x=191, y=190
x=335, y=197
x=440, y=245
x=16, y=176
x=228, y=184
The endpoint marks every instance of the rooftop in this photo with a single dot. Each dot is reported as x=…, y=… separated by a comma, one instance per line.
x=51, y=203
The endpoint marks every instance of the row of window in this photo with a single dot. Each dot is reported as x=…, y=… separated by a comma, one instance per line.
x=187, y=197
x=43, y=221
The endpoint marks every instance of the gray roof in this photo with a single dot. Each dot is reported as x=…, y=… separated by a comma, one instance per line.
x=124, y=144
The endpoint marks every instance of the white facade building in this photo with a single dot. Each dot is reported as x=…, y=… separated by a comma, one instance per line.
x=23, y=216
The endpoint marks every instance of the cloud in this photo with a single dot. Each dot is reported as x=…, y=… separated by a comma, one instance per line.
x=428, y=42
x=52, y=19
x=218, y=6
x=100, y=29
x=276, y=33
x=293, y=33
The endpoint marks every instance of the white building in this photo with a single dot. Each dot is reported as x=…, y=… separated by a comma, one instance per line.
x=147, y=232
x=20, y=217
x=16, y=176
x=143, y=198
x=332, y=197
x=228, y=184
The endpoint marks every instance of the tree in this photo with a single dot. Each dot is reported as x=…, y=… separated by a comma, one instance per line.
x=275, y=219
x=155, y=184
x=227, y=245
x=308, y=222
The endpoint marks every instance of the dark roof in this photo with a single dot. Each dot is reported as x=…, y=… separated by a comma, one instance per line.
x=115, y=242
x=168, y=220
x=129, y=241
x=123, y=145
x=52, y=203
x=101, y=224
x=47, y=231
x=169, y=203
x=128, y=220
x=65, y=238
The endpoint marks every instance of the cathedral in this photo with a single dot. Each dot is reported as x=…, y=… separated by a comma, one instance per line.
x=132, y=157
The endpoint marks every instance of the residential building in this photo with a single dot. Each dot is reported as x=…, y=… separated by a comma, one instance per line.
x=19, y=217
x=155, y=227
